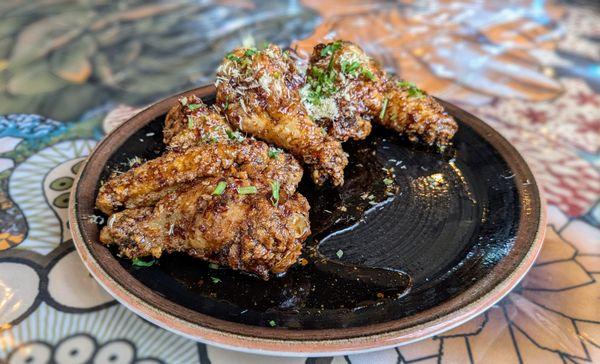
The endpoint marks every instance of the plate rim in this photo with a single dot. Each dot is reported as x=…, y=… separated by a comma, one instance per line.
x=281, y=342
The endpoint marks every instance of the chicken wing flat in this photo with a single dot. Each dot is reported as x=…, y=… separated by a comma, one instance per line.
x=344, y=90
x=249, y=232
x=411, y=112
x=259, y=93
x=191, y=122
x=245, y=158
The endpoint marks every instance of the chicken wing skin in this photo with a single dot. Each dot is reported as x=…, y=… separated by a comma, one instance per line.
x=245, y=232
x=191, y=122
x=343, y=90
x=411, y=112
x=259, y=93
x=146, y=184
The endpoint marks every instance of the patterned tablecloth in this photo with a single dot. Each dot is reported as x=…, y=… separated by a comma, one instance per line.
x=70, y=71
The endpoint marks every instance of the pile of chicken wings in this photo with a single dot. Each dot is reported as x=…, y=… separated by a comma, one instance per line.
x=225, y=188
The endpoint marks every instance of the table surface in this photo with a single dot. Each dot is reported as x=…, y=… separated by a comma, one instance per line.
x=71, y=71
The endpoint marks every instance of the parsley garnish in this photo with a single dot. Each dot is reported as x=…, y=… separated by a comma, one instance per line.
x=272, y=323
x=387, y=181
x=275, y=186
x=248, y=190
x=215, y=280
x=331, y=48
x=137, y=262
x=190, y=122
x=339, y=253
x=250, y=52
x=194, y=106
x=368, y=74
x=220, y=188
x=274, y=152
x=383, y=109
x=321, y=84
x=411, y=88
x=234, y=135
x=183, y=100
x=233, y=58
x=351, y=68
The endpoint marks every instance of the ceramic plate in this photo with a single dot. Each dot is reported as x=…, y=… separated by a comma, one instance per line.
x=458, y=231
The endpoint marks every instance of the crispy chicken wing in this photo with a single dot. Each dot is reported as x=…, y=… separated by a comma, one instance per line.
x=411, y=112
x=343, y=90
x=346, y=89
x=259, y=93
x=243, y=231
x=245, y=158
x=191, y=122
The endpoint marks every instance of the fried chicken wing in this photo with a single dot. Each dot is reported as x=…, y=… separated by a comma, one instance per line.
x=344, y=89
x=259, y=93
x=243, y=231
x=191, y=122
x=411, y=112
x=245, y=158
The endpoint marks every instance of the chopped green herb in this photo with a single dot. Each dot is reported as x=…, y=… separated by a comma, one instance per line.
x=388, y=181
x=248, y=190
x=250, y=52
x=220, y=188
x=215, y=280
x=213, y=266
x=234, y=135
x=233, y=58
x=383, y=109
x=274, y=152
x=226, y=106
x=191, y=122
x=351, y=68
x=275, y=186
x=272, y=323
x=194, y=106
x=331, y=48
x=322, y=84
x=183, y=101
x=412, y=89
x=368, y=74
x=137, y=262
x=339, y=253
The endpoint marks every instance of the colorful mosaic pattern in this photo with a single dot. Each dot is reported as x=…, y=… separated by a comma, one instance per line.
x=529, y=68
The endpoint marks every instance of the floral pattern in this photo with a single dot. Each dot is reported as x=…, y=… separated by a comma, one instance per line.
x=531, y=69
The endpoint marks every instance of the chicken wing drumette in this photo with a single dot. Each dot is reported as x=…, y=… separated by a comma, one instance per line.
x=344, y=90
x=259, y=93
x=222, y=220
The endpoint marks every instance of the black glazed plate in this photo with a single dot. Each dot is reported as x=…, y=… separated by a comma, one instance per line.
x=453, y=229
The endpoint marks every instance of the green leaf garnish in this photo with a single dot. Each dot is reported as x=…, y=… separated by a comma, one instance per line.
x=274, y=152
x=272, y=323
x=383, y=109
x=220, y=188
x=351, y=68
x=411, y=88
x=339, y=253
x=235, y=135
x=137, y=262
x=183, y=100
x=191, y=122
x=248, y=190
x=250, y=52
x=215, y=280
x=331, y=48
x=233, y=58
x=194, y=106
x=368, y=74
x=275, y=186
x=388, y=181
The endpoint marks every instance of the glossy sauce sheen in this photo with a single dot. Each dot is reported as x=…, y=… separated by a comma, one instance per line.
x=402, y=248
